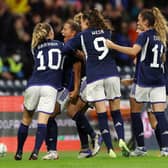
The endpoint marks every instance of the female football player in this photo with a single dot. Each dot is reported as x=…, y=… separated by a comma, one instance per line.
x=76, y=109
x=41, y=92
x=150, y=86
x=101, y=74
x=134, y=106
x=73, y=71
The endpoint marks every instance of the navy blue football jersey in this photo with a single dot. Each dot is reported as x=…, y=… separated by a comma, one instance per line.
x=100, y=62
x=136, y=67
x=48, y=64
x=149, y=69
x=68, y=74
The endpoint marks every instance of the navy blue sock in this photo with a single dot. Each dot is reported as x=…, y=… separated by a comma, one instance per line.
x=158, y=137
x=104, y=129
x=118, y=123
x=84, y=124
x=51, y=135
x=83, y=138
x=137, y=127
x=21, y=137
x=40, y=137
x=162, y=127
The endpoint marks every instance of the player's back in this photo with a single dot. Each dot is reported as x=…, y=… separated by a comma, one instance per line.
x=48, y=61
x=150, y=68
x=99, y=59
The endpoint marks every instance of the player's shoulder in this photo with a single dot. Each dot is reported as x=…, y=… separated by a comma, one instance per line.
x=94, y=32
x=142, y=37
x=78, y=34
x=143, y=34
x=57, y=42
x=148, y=33
x=86, y=31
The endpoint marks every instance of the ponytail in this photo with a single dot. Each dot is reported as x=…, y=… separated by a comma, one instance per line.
x=96, y=20
x=40, y=33
x=160, y=25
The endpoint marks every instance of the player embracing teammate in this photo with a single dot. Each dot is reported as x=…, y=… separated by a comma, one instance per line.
x=103, y=83
x=150, y=87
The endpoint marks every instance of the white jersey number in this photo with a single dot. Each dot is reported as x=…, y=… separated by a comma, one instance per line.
x=102, y=49
x=154, y=64
x=50, y=60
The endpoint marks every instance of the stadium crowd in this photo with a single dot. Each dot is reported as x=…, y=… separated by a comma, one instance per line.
x=124, y=17
x=18, y=18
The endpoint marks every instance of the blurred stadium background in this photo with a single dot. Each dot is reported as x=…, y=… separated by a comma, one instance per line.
x=17, y=19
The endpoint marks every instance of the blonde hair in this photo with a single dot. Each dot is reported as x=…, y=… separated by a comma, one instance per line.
x=160, y=25
x=156, y=19
x=40, y=33
x=74, y=26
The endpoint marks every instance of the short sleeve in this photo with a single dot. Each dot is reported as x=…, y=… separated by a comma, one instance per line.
x=72, y=45
x=141, y=39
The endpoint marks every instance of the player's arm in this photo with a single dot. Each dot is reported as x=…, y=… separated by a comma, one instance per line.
x=131, y=51
x=80, y=54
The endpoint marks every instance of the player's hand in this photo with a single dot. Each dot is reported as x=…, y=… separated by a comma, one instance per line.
x=73, y=96
x=127, y=82
x=109, y=43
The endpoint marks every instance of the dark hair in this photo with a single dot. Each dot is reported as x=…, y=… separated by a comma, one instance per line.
x=156, y=19
x=149, y=16
x=96, y=20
